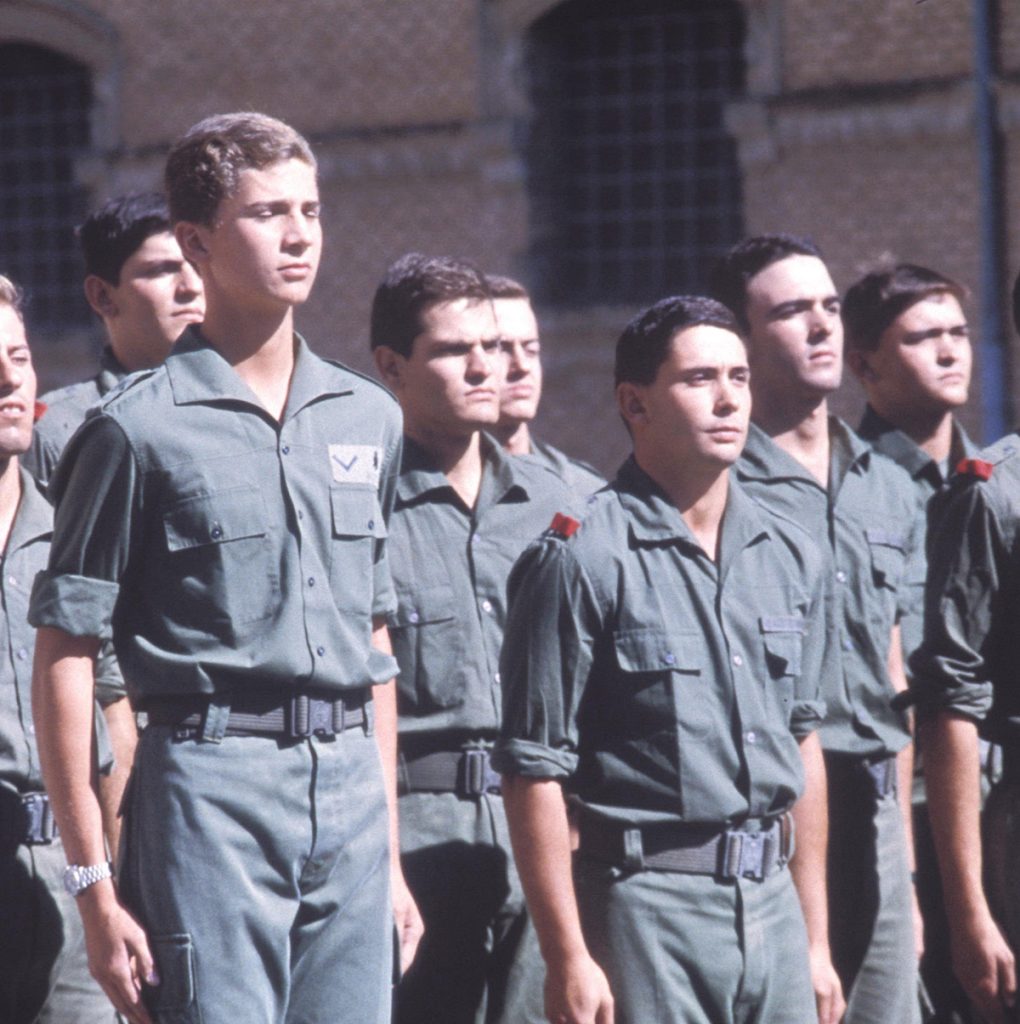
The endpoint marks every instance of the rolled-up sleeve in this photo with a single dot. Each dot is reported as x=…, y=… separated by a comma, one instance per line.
x=552, y=623
x=820, y=659
x=968, y=566
x=95, y=493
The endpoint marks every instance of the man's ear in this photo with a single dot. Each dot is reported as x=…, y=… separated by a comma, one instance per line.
x=630, y=400
x=858, y=363
x=390, y=365
x=99, y=295
x=192, y=238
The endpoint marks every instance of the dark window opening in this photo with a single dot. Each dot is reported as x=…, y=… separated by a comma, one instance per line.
x=633, y=181
x=45, y=100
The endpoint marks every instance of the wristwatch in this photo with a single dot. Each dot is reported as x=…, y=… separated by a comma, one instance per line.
x=78, y=878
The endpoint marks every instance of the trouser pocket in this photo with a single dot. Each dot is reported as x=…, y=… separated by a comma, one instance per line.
x=174, y=1000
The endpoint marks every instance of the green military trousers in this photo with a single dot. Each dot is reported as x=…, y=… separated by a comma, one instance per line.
x=259, y=869
x=44, y=975
x=479, y=961
x=687, y=949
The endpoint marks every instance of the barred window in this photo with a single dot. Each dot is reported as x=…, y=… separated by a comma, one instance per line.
x=633, y=181
x=44, y=125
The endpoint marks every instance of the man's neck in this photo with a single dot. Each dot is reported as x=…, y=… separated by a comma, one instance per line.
x=802, y=432
x=459, y=458
x=932, y=432
x=260, y=348
x=514, y=436
x=700, y=497
x=10, y=497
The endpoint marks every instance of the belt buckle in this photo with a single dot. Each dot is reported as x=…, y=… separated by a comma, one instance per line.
x=40, y=828
x=479, y=777
x=744, y=855
x=310, y=716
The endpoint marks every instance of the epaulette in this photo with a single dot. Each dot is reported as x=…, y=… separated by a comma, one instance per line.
x=40, y=411
x=125, y=384
x=977, y=468
x=564, y=526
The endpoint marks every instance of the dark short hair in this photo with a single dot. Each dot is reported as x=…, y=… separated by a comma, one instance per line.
x=878, y=298
x=205, y=164
x=501, y=287
x=410, y=286
x=114, y=232
x=644, y=345
x=734, y=269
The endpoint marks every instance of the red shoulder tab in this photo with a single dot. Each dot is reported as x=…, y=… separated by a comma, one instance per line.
x=975, y=467
x=563, y=525
x=40, y=409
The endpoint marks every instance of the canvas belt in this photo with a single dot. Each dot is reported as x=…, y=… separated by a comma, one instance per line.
x=465, y=772
x=294, y=716
x=749, y=852
x=26, y=819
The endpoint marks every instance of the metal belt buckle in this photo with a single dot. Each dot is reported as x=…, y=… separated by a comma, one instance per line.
x=310, y=716
x=40, y=828
x=479, y=777
x=746, y=859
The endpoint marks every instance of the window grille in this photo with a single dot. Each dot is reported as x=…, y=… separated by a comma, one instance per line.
x=633, y=181
x=44, y=126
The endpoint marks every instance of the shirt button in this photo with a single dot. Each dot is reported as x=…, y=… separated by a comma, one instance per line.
x=371, y=524
x=497, y=678
x=841, y=576
x=669, y=658
x=738, y=660
x=22, y=653
x=848, y=645
x=413, y=617
x=216, y=532
x=12, y=580
x=311, y=581
x=300, y=514
x=486, y=606
x=320, y=651
x=285, y=449
x=752, y=737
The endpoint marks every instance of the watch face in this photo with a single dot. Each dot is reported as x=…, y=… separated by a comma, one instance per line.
x=72, y=882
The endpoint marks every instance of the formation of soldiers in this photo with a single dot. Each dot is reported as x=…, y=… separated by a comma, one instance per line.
x=360, y=703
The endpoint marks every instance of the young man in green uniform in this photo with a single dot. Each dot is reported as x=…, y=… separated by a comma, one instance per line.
x=964, y=684
x=908, y=343
x=45, y=976
x=464, y=511
x=812, y=468
x=522, y=387
x=223, y=515
x=664, y=656
x=146, y=293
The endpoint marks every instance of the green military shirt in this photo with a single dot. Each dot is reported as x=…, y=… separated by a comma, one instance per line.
x=665, y=686
x=27, y=550
x=967, y=663
x=65, y=410
x=64, y=413
x=873, y=521
x=220, y=547
x=450, y=566
x=581, y=478
x=929, y=478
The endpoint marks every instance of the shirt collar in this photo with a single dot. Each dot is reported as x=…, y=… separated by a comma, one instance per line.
x=502, y=477
x=35, y=515
x=199, y=374
x=111, y=372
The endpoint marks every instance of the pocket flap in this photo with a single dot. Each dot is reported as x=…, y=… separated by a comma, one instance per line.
x=655, y=650
x=886, y=538
x=215, y=518
x=423, y=605
x=356, y=512
x=784, y=641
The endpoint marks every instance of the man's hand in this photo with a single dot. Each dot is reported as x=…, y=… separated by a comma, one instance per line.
x=918, y=925
x=118, y=952
x=985, y=965
x=577, y=992
x=410, y=926
x=828, y=990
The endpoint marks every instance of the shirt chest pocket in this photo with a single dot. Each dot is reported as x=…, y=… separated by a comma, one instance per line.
x=358, y=528
x=888, y=556
x=783, y=640
x=666, y=689
x=224, y=574
x=428, y=646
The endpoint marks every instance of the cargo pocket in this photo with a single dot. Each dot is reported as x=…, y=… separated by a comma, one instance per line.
x=783, y=637
x=358, y=525
x=174, y=1000
x=888, y=556
x=429, y=647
